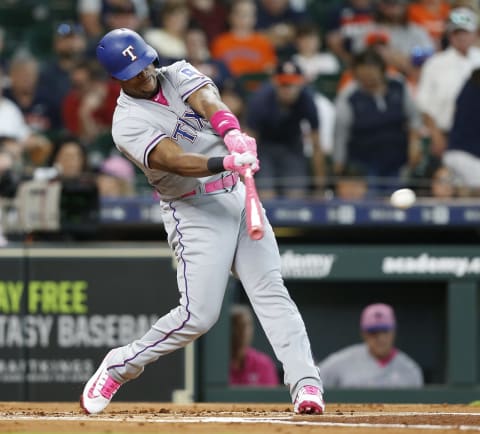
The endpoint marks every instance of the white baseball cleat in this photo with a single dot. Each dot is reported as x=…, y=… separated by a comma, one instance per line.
x=99, y=390
x=309, y=400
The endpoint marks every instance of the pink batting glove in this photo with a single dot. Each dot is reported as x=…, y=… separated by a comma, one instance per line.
x=237, y=141
x=241, y=162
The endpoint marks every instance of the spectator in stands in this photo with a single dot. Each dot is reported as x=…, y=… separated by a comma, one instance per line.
x=37, y=105
x=248, y=367
x=210, y=15
x=69, y=157
x=122, y=14
x=37, y=150
x=376, y=123
x=169, y=40
x=375, y=40
x=376, y=361
x=379, y=41
x=88, y=108
x=348, y=23
x=444, y=74
x=15, y=148
x=316, y=64
x=351, y=184
x=404, y=37
x=17, y=137
x=94, y=13
x=311, y=60
x=12, y=122
x=326, y=113
x=274, y=116
x=470, y=4
x=417, y=59
x=69, y=45
x=432, y=15
x=9, y=179
x=442, y=183
x=462, y=155
x=8, y=184
x=244, y=50
x=278, y=19
x=198, y=55
x=116, y=178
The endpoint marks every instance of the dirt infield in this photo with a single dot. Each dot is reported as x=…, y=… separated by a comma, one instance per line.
x=238, y=419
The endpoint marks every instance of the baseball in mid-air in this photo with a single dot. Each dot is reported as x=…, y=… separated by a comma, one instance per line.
x=403, y=198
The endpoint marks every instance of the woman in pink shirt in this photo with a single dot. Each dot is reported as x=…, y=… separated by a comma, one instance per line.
x=248, y=367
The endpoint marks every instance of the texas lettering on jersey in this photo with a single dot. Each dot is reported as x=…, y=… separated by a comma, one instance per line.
x=188, y=125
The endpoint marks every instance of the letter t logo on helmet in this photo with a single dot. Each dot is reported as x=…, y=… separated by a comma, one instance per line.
x=124, y=54
x=129, y=52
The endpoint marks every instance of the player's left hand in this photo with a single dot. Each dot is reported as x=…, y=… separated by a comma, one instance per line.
x=241, y=162
x=239, y=142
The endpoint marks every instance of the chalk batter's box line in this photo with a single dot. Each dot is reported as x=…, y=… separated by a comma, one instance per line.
x=286, y=420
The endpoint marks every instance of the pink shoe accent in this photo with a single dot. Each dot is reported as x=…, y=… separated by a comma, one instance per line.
x=99, y=390
x=309, y=401
x=313, y=390
x=110, y=387
x=310, y=407
x=107, y=390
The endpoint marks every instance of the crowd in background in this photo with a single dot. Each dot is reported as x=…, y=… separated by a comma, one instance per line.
x=353, y=98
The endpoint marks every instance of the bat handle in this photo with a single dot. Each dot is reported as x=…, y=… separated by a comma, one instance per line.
x=254, y=212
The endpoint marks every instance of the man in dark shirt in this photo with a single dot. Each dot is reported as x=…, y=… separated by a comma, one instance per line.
x=69, y=45
x=275, y=116
x=376, y=123
x=462, y=156
x=35, y=101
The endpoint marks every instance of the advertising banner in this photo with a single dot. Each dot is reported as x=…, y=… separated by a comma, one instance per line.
x=62, y=310
x=380, y=262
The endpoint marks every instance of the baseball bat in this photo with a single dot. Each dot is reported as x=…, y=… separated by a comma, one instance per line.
x=253, y=208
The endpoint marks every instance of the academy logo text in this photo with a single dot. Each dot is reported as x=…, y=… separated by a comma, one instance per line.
x=426, y=264
x=306, y=265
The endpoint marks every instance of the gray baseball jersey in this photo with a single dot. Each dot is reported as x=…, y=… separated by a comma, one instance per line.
x=208, y=233
x=139, y=124
x=355, y=367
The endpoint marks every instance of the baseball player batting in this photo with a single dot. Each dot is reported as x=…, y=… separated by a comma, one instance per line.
x=172, y=124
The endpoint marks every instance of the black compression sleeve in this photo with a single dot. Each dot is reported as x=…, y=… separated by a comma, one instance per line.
x=215, y=164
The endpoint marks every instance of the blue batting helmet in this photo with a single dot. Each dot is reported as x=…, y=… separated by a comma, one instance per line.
x=124, y=53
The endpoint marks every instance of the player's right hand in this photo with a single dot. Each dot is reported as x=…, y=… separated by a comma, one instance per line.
x=240, y=162
x=239, y=142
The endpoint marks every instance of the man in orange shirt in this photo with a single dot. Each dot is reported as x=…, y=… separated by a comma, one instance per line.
x=432, y=15
x=244, y=50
